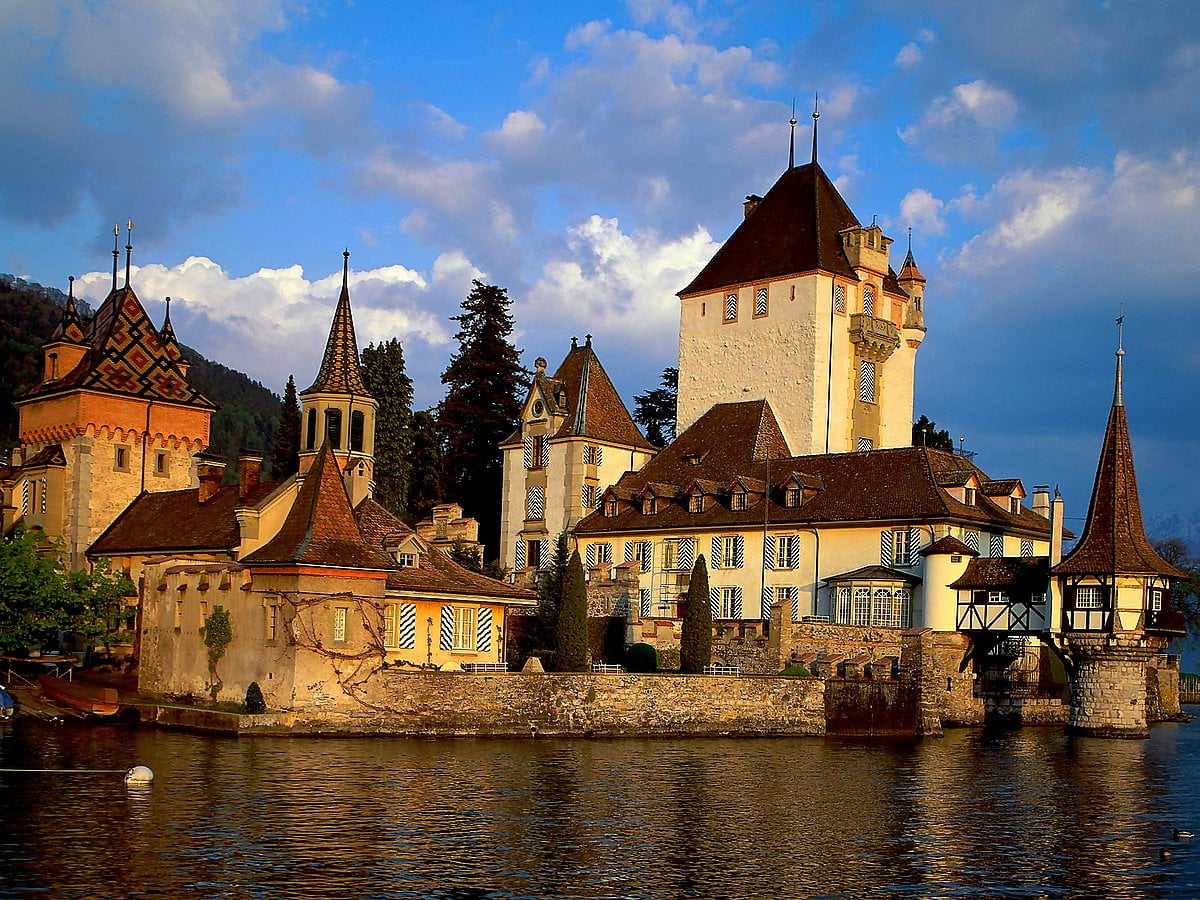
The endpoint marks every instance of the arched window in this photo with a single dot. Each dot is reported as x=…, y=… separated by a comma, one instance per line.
x=333, y=428
x=311, y=443
x=356, y=429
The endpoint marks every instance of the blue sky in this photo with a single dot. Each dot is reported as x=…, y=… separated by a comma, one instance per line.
x=592, y=156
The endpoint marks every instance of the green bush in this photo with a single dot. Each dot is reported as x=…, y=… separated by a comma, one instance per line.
x=254, y=699
x=796, y=671
x=641, y=658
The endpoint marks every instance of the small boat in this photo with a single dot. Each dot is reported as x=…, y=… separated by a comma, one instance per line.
x=99, y=701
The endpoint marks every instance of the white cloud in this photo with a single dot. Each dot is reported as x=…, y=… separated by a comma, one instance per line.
x=909, y=55
x=920, y=209
x=521, y=134
x=677, y=17
x=954, y=124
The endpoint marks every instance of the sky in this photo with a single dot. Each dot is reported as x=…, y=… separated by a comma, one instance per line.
x=591, y=157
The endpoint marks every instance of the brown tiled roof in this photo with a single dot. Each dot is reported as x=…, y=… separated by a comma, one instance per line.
x=592, y=406
x=948, y=545
x=880, y=485
x=437, y=573
x=1021, y=574
x=320, y=529
x=176, y=521
x=1000, y=487
x=50, y=455
x=909, y=269
x=875, y=573
x=795, y=228
x=126, y=356
x=1114, y=540
x=340, y=373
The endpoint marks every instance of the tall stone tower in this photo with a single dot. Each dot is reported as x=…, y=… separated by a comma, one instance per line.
x=112, y=416
x=802, y=308
x=1116, y=594
x=337, y=406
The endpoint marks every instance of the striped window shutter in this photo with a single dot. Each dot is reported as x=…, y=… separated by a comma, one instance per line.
x=406, y=634
x=885, y=548
x=1027, y=548
x=768, y=553
x=866, y=381
x=714, y=600
x=971, y=539
x=629, y=551
x=737, y=602
x=25, y=497
x=714, y=560
x=794, y=595
x=739, y=551
x=447, y=636
x=646, y=552
x=590, y=555
x=483, y=642
x=996, y=545
x=839, y=298
x=544, y=553
x=914, y=544
x=864, y=444
x=760, y=302
x=598, y=454
x=535, y=503
x=644, y=601
x=687, y=553
x=545, y=439
x=869, y=300
x=520, y=563
x=768, y=594
x=528, y=452
x=731, y=307
x=793, y=551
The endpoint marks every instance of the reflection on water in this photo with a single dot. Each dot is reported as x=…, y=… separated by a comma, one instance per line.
x=1022, y=814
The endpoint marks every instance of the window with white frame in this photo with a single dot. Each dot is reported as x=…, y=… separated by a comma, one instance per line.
x=787, y=551
x=391, y=621
x=841, y=607
x=272, y=624
x=1014, y=505
x=792, y=496
x=1089, y=597
x=881, y=608
x=1154, y=602
x=862, y=606
x=465, y=628
x=969, y=496
x=339, y=624
x=902, y=604
x=610, y=508
x=902, y=547
x=997, y=597
x=788, y=598
x=589, y=496
x=738, y=501
x=671, y=553
x=406, y=560
x=731, y=551
x=729, y=603
x=731, y=305
x=603, y=552
x=696, y=503
x=650, y=506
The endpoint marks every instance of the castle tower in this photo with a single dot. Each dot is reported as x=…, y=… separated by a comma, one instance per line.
x=337, y=406
x=801, y=307
x=1116, y=594
x=113, y=415
x=575, y=439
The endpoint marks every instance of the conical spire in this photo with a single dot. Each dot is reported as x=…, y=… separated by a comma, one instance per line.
x=70, y=326
x=1114, y=539
x=167, y=333
x=340, y=373
x=909, y=270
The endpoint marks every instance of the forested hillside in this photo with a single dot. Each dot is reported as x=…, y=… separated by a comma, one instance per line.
x=248, y=411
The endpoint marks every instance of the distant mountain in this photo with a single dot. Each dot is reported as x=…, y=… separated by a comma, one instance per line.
x=1184, y=526
x=248, y=411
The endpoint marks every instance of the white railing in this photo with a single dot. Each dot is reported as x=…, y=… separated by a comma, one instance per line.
x=722, y=670
x=606, y=669
x=485, y=667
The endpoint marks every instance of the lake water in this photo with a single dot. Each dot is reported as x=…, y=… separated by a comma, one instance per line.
x=1020, y=814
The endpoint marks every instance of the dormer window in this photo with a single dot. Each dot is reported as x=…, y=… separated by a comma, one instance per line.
x=1014, y=505
x=738, y=501
x=792, y=497
x=696, y=503
x=692, y=459
x=406, y=560
x=969, y=496
x=610, y=508
x=650, y=506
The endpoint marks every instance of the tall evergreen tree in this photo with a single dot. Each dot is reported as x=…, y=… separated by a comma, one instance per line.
x=285, y=456
x=571, y=650
x=695, y=643
x=550, y=592
x=484, y=384
x=655, y=410
x=425, y=474
x=385, y=377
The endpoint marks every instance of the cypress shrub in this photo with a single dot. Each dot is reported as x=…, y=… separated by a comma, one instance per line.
x=254, y=699
x=695, y=643
x=572, y=630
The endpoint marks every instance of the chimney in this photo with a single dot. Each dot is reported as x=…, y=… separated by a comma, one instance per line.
x=249, y=472
x=209, y=472
x=1041, y=500
x=750, y=205
x=1056, y=529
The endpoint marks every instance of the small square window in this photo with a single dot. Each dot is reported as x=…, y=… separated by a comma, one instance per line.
x=121, y=459
x=406, y=560
x=161, y=462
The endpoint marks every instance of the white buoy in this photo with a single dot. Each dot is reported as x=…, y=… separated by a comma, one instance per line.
x=139, y=775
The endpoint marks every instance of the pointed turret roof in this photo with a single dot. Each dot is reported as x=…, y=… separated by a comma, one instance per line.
x=170, y=344
x=909, y=270
x=1114, y=539
x=70, y=328
x=340, y=373
x=593, y=407
x=794, y=228
x=320, y=529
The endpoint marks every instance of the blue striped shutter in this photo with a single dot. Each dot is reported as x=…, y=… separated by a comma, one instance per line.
x=687, y=553
x=647, y=554
x=714, y=600
x=644, y=601
x=590, y=554
x=737, y=602
x=794, y=551
x=520, y=563
x=767, y=597
x=447, y=637
x=544, y=553
x=1027, y=548
x=885, y=548
x=715, y=559
x=739, y=551
x=529, y=453
x=483, y=642
x=406, y=634
x=768, y=552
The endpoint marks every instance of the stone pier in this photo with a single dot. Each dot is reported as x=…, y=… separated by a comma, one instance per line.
x=1108, y=684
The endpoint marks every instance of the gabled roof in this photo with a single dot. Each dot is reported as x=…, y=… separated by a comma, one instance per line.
x=794, y=228
x=340, y=372
x=1114, y=540
x=1020, y=574
x=320, y=529
x=1002, y=487
x=875, y=573
x=592, y=406
x=127, y=356
x=50, y=455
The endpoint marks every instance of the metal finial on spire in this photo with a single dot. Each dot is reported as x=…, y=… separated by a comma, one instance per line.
x=792, y=142
x=70, y=290
x=587, y=339
x=1118, y=398
x=574, y=342
x=815, y=115
x=116, y=253
x=910, y=240
x=167, y=320
x=128, y=249
x=346, y=268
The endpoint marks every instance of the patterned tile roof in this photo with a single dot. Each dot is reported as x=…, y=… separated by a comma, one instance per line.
x=794, y=228
x=70, y=328
x=437, y=572
x=126, y=356
x=880, y=485
x=592, y=405
x=320, y=528
x=1114, y=539
x=340, y=372
x=1020, y=574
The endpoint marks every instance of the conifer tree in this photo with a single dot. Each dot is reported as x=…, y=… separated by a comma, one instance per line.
x=385, y=377
x=425, y=474
x=484, y=383
x=695, y=643
x=550, y=592
x=571, y=652
x=655, y=410
x=285, y=455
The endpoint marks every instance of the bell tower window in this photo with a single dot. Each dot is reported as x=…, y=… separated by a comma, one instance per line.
x=311, y=442
x=356, y=430
x=333, y=428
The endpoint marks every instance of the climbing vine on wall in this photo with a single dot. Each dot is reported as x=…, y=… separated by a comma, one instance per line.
x=218, y=634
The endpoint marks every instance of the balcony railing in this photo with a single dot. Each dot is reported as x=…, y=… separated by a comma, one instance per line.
x=1165, y=621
